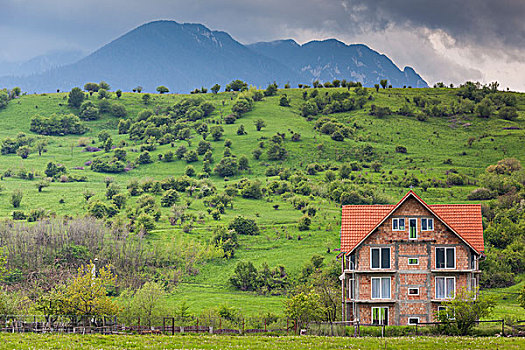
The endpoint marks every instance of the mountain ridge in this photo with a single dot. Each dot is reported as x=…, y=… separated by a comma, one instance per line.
x=185, y=56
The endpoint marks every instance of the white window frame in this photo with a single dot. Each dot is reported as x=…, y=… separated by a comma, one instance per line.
x=436, y=289
x=417, y=231
x=445, y=257
x=351, y=291
x=379, y=307
x=413, y=288
x=427, y=220
x=397, y=220
x=380, y=258
x=412, y=318
x=381, y=287
x=417, y=261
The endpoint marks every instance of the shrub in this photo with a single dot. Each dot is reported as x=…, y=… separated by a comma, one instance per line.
x=508, y=113
x=304, y=223
x=144, y=158
x=169, y=198
x=252, y=189
x=401, y=149
x=191, y=156
x=105, y=165
x=19, y=215
x=245, y=276
x=118, y=110
x=57, y=125
x=230, y=119
x=284, y=101
x=244, y=226
x=75, y=97
x=479, y=194
x=228, y=166
x=203, y=147
x=226, y=240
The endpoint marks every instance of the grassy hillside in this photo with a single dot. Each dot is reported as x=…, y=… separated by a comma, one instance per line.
x=435, y=148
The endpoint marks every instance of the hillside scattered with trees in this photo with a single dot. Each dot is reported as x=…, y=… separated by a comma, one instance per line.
x=229, y=198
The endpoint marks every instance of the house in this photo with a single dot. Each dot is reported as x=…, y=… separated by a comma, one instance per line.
x=400, y=262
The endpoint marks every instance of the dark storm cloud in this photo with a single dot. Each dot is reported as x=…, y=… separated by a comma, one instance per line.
x=486, y=28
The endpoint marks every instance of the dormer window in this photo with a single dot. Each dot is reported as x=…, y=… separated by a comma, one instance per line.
x=427, y=224
x=398, y=224
x=412, y=228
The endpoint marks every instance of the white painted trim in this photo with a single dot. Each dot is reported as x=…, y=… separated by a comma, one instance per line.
x=428, y=220
x=398, y=225
x=435, y=258
x=417, y=232
x=435, y=287
x=408, y=262
x=380, y=287
x=412, y=295
x=381, y=259
x=412, y=318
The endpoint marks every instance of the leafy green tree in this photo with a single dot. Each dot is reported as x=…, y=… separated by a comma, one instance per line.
x=91, y=87
x=383, y=83
x=259, y=124
x=216, y=132
x=284, y=101
x=75, y=97
x=119, y=200
x=226, y=240
x=146, y=98
x=119, y=93
x=464, y=310
x=227, y=166
x=169, y=198
x=148, y=303
x=118, y=110
x=303, y=307
x=215, y=88
x=104, y=85
x=508, y=113
x=162, y=89
x=23, y=152
x=87, y=293
x=4, y=99
x=244, y=226
x=16, y=198
x=42, y=184
x=238, y=85
x=485, y=108
x=271, y=89
x=245, y=276
x=103, y=93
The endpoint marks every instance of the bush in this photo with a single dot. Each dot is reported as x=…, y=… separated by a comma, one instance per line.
x=105, y=165
x=230, y=119
x=228, y=166
x=16, y=198
x=169, y=198
x=75, y=97
x=226, y=240
x=191, y=156
x=57, y=125
x=118, y=110
x=244, y=226
x=144, y=158
x=252, y=189
x=480, y=194
x=401, y=149
x=245, y=276
x=304, y=223
x=508, y=113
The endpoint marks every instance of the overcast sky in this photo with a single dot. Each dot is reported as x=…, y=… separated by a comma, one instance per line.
x=443, y=40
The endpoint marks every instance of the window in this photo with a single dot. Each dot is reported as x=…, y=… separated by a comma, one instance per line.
x=398, y=224
x=473, y=283
x=413, y=320
x=413, y=261
x=445, y=258
x=472, y=261
x=413, y=291
x=427, y=224
x=351, y=288
x=380, y=315
x=412, y=228
x=380, y=287
x=445, y=287
x=380, y=258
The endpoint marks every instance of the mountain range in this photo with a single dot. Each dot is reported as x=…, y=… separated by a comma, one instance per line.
x=187, y=56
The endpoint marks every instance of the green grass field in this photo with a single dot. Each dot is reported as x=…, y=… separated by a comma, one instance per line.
x=429, y=145
x=58, y=341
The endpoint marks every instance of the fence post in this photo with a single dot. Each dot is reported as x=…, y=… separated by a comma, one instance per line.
x=287, y=325
x=503, y=327
x=416, y=330
x=173, y=326
x=265, y=324
x=358, y=329
x=242, y=325
x=138, y=324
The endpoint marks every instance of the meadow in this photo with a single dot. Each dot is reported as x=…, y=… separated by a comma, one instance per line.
x=435, y=147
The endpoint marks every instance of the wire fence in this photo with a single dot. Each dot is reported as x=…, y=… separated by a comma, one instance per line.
x=244, y=325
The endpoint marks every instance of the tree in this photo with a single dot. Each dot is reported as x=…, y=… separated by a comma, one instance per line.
x=42, y=184
x=4, y=98
x=284, y=101
x=75, y=97
x=146, y=303
x=16, y=198
x=169, y=198
x=216, y=132
x=271, y=90
x=162, y=89
x=86, y=294
x=244, y=226
x=104, y=85
x=377, y=87
x=508, y=113
x=119, y=110
x=383, y=83
x=138, y=89
x=241, y=131
x=464, y=310
x=303, y=308
x=227, y=240
x=238, y=85
x=119, y=93
x=215, y=88
x=245, y=276
x=259, y=124
x=485, y=108
x=227, y=166
x=91, y=87
x=146, y=98
x=23, y=152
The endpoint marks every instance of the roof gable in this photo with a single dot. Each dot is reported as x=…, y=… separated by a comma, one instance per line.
x=359, y=221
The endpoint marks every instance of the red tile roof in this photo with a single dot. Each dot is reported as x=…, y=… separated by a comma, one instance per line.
x=358, y=221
